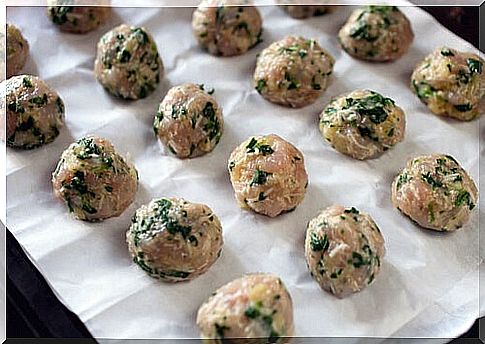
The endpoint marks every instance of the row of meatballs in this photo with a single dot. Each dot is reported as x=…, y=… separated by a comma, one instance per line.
x=175, y=240
x=292, y=72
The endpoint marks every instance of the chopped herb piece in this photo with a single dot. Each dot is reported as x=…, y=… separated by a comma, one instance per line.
x=257, y=147
x=141, y=35
x=26, y=125
x=38, y=100
x=358, y=260
x=361, y=32
x=431, y=181
x=252, y=312
x=16, y=107
x=431, y=212
x=403, y=178
x=125, y=56
x=351, y=211
x=317, y=243
x=464, y=198
x=261, y=84
x=260, y=177
x=475, y=66
x=220, y=329
x=463, y=107
x=447, y=52
x=26, y=82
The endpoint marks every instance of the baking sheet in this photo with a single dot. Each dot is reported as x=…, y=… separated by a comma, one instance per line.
x=428, y=285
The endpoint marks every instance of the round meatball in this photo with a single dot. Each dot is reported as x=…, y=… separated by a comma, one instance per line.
x=35, y=112
x=293, y=72
x=451, y=83
x=174, y=240
x=227, y=27
x=93, y=180
x=376, y=33
x=435, y=192
x=73, y=16
x=362, y=124
x=127, y=62
x=268, y=175
x=343, y=249
x=256, y=306
x=189, y=121
x=301, y=9
x=17, y=50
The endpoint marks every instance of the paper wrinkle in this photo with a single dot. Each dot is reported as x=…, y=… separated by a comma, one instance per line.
x=426, y=278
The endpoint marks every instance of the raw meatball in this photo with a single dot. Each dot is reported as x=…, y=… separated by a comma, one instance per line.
x=435, y=192
x=17, y=50
x=73, y=16
x=224, y=28
x=376, y=33
x=343, y=249
x=94, y=180
x=174, y=240
x=35, y=112
x=268, y=175
x=362, y=124
x=127, y=62
x=301, y=9
x=189, y=121
x=256, y=306
x=293, y=72
x=451, y=83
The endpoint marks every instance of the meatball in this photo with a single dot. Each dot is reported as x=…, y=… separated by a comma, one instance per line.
x=17, y=50
x=174, y=240
x=300, y=9
x=451, y=83
x=268, y=175
x=73, y=16
x=35, y=112
x=293, y=72
x=362, y=124
x=435, y=192
x=376, y=33
x=189, y=121
x=256, y=306
x=127, y=62
x=343, y=249
x=227, y=27
x=94, y=181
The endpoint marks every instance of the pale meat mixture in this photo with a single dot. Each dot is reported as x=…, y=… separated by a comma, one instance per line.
x=17, y=50
x=362, y=124
x=256, y=307
x=376, y=33
x=74, y=16
x=127, y=62
x=174, y=240
x=451, y=83
x=93, y=180
x=227, y=27
x=268, y=175
x=35, y=112
x=189, y=121
x=293, y=72
x=301, y=9
x=344, y=249
x=435, y=192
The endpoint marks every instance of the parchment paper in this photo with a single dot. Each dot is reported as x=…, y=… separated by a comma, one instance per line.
x=428, y=286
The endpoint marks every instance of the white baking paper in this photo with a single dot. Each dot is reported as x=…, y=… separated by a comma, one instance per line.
x=428, y=286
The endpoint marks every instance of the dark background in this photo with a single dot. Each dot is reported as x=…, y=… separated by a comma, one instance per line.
x=33, y=311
